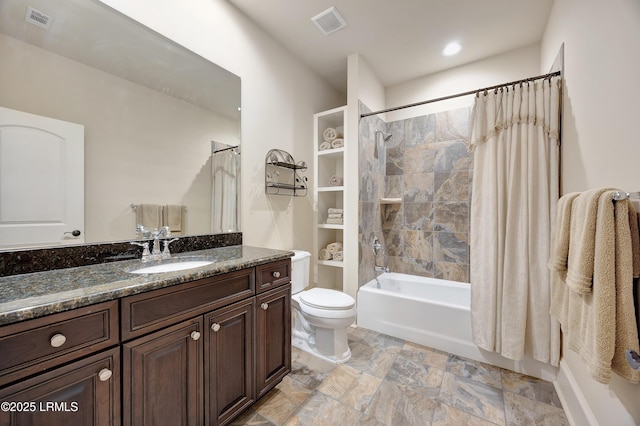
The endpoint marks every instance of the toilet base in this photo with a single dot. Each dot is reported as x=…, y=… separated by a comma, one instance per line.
x=327, y=344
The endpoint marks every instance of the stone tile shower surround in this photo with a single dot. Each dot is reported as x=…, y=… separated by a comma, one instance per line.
x=428, y=165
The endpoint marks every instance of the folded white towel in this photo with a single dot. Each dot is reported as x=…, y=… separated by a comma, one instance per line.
x=335, y=221
x=329, y=134
x=339, y=256
x=334, y=210
x=337, y=143
x=335, y=216
x=324, y=254
x=336, y=181
x=333, y=248
x=324, y=146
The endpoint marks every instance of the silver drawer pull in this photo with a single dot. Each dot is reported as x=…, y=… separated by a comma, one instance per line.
x=276, y=274
x=58, y=340
x=104, y=374
x=195, y=335
x=215, y=326
x=264, y=306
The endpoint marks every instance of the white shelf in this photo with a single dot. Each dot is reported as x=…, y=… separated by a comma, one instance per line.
x=334, y=263
x=330, y=226
x=328, y=163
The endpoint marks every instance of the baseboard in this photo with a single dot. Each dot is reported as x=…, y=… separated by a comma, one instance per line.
x=573, y=401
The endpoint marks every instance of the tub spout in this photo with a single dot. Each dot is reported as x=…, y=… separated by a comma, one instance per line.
x=381, y=268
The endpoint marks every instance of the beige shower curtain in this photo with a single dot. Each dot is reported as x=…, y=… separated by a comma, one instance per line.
x=514, y=135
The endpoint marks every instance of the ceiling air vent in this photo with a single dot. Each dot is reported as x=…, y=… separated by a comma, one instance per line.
x=38, y=19
x=329, y=21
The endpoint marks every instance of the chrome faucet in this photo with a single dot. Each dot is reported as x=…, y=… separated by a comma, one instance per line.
x=155, y=252
x=377, y=246
x=156, y=234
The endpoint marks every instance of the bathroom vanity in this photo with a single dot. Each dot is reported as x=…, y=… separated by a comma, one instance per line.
x=96, y=345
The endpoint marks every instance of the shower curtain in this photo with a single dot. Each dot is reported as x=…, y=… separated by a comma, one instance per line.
x=514, y=136
x=225, y=168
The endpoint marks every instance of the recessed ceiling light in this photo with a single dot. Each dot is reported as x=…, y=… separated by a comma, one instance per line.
x=452, y=48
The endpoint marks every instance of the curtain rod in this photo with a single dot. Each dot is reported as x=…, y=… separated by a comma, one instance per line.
x=226, y=149
x=471, y=92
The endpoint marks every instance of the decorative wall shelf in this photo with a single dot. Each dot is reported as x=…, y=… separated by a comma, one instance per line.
x=282, y=175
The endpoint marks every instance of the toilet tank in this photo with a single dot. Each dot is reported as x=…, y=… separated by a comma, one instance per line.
x=300, y=263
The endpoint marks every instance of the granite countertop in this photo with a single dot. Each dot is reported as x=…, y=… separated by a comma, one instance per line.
x=38, y=294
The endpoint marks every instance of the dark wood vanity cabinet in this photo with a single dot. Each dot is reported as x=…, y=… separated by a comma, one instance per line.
x=190, y=354
x=85, y=392
x=273, y=338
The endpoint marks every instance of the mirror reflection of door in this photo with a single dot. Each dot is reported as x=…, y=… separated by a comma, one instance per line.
x=41, y=180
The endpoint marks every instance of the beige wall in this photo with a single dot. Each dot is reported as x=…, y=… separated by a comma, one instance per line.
x=600, y=148
x=279, y=97
x=140, y=146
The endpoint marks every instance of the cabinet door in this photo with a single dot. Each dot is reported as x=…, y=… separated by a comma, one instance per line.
x=273, y=338
x=162, y=377
x=228, y=352
x=86, y=392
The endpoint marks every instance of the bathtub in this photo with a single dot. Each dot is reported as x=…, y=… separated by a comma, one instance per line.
x=434, y=313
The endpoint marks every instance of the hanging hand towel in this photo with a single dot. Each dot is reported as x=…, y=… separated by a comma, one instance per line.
x=560, y=243
x=584, y=213
x=173, y=217
x=149, y=216
x=338, y=256
x=329, y=134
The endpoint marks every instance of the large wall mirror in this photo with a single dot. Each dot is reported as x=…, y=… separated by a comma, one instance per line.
x=152, y=113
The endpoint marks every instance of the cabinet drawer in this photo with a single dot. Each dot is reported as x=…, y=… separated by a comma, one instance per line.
x=153, y=310
x=32, y=346
x=273, y=275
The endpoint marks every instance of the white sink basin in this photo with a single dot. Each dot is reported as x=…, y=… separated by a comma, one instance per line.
x=170, y=267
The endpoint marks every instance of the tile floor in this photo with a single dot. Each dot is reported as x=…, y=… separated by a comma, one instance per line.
x=391, y=382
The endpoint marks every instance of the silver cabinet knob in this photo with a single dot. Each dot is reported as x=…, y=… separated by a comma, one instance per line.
x=264, y=306
x=215, y=326
x=276, y=274
x=195, y=335
x=58, y=340
x=104, y=374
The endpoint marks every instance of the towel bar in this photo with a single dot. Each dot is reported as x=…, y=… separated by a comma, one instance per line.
x=620, y=195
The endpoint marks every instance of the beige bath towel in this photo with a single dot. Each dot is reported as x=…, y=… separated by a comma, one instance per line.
x=600, y=325
x=560, y=239
x=332, y=210
x=335, y=221
x=173, y=217
x=333, y=248
x=338, y=256
x=149, y=216
x=584, y=212
x=324, y=254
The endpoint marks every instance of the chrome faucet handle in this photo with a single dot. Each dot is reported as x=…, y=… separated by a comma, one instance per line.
x=145, y=249
x=165, y=251
x=142, y=230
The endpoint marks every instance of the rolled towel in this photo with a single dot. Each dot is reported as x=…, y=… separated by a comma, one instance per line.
x=335, y=216
x=339, y=256
x=336, y=181
x=324, y=254
x=329, y=134
x=333, y=248
x=324, y=146
x=337, y=143
x=335, y=221
x=332, y=210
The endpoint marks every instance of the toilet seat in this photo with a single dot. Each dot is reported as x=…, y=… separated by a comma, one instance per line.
x=322, y=298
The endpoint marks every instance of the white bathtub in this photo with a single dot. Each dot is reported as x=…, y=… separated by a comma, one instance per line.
x=434, y=313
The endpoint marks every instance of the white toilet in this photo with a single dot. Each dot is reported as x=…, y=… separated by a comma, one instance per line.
x=320, y=316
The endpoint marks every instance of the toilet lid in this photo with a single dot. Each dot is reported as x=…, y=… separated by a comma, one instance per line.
x=323, y=298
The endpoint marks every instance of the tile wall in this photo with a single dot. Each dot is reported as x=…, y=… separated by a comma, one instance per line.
x=428, y=165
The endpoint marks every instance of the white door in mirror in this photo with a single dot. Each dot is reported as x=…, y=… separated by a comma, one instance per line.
x=41, y=180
